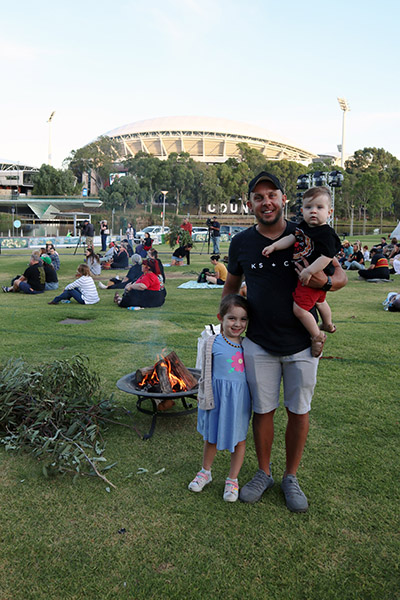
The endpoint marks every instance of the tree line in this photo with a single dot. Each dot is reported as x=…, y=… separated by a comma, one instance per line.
x=371, y=184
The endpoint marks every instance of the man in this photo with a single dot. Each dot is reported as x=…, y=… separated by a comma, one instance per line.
x=55, y=258
x=277, y=346
x=88, y=232
x=379, y=267
x=215, y=234
x=32, y=281
x=347, y=251
x=187, y=226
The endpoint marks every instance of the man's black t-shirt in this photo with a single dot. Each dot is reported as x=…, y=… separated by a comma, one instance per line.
x=312, y=242
x=179, y=252
x=215, y=232
x=35, y=277
x=270, y=283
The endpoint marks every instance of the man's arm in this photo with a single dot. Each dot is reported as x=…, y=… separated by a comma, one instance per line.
x=318, y=280
x=232, y=284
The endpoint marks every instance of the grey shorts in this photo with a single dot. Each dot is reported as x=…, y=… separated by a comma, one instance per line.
x=264, y=372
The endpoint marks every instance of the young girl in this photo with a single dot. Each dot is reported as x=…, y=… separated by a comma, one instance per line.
x=83, y=289
x=224, y=398
x=93, y=261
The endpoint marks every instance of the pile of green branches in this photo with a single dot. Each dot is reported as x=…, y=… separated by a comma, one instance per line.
x=177, y=234
x=55, y=412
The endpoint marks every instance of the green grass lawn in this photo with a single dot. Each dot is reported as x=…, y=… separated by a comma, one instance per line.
x=61, y=540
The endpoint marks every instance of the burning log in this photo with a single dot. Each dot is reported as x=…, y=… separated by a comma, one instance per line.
x=179, y=369
x=168, y=376
x=163, y=378
x=143, y=373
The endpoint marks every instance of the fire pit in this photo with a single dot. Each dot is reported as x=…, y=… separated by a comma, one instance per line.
x=162, y=386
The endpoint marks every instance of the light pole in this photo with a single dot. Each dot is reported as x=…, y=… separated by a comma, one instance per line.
x=49, y=122
x=163, y=210
x=344, y=105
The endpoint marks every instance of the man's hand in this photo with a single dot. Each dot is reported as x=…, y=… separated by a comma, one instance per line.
x=318, y=280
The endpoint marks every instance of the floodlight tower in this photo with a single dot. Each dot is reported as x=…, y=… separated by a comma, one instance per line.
x=344, y=105
x=49, y=122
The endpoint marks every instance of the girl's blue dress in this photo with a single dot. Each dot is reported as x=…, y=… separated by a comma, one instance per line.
x=227, y=423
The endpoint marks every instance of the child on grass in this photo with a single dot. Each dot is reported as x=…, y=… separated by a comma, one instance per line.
x=224, y=398
x=315, y=241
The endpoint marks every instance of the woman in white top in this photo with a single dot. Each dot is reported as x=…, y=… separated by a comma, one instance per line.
x=83, y=289
x=93, y=261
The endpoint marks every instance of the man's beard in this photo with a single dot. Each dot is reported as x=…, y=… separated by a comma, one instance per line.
x=277, y=218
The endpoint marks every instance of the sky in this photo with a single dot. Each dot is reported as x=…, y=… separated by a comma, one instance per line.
x=101, y=65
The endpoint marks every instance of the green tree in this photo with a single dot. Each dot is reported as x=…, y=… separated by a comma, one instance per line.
x=122, y=193
x=149, y=174
x=366, y=192
x=179, y=169
x=98, y=159
x=287, y=172
x=49, y=181
x=380, y=159
x=254, y=158
x=206, y=187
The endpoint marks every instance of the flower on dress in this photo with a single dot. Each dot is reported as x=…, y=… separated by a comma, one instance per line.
x=237, y=362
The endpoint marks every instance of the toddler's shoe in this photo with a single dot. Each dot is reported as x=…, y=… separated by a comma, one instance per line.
x=202, y=478
x=231, y=491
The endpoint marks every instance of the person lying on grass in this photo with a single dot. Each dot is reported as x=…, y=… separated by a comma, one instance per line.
x=83, y=289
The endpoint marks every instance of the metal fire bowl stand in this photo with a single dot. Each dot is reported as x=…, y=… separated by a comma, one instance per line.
x=127, y=383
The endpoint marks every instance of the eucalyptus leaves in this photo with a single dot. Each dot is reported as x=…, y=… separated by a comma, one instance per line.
x=55, y=412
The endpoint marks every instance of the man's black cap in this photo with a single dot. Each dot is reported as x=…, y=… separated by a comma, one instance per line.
x=264, y=176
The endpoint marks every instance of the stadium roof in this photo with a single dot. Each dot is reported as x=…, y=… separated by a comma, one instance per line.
x=206, y=139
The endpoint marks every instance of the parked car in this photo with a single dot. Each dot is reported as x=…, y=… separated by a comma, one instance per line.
x=155, y=232
x=229, y=231
x=199, y=234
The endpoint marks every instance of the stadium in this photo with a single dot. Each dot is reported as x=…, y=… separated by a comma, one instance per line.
x=206, y=139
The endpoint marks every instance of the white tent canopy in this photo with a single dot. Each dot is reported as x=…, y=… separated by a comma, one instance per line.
x=396, y=231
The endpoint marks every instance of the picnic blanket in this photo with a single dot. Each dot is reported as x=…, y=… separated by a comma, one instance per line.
x=190, y=285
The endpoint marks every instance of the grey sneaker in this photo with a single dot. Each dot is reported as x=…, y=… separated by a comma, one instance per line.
x=296, y=500
x=252, y=491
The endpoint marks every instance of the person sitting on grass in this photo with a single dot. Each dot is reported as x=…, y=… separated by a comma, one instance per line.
x=218, y=276
x=109, y=255
x=315, y=241
x=52, y=252
x=32, y=281
x=356, y=259
x=93, y=261
x=146, y=291
x=132, y=275
x=154, y=255
x=379, y=267
x=50, y=272
x=120, y=259
x=83, y=289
